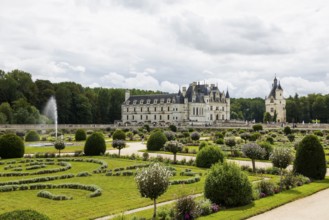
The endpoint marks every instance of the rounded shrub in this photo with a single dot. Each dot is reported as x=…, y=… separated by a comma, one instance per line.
x=202, y=145
x=208, y=156
x=195, y=136
x=291, y=137
x=310, y=158
x=11, y=146
x=220, y=141
x=257, y=127
x=173, y=128
x=227, y=185
x=255, y=136
x=32, y=136
x=119, y=135
x=219, y=135
x=80, y=135
x=287, y=130
x=95, y=144
x=156, y=141
x=23, y=215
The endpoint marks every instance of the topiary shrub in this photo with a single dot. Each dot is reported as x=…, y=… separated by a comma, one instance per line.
x=202, y=145
x=11, y=146
x=245, y=136
x=257, y=127
x=169, y=135
x=95, y=145
x=173, y=128
x=255, y=136
x=227, y=185
x=195, y=136
x=219, y=141
x=156, y=141
x=310, y=158
x=119, y=135
x=270, y=140
x=23, y=215
x=318, y=133
x=219, y=135
x=287, y=130
x=59, y=145
x=208, y=156
x=80, y=135
x=32, y=136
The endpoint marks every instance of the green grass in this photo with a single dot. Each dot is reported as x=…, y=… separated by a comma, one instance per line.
x=119, y=193
x=256, y=207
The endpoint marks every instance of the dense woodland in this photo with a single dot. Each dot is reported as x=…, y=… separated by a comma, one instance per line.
x=22, y=102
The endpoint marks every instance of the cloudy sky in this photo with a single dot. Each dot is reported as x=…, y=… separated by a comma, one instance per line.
x=161, y=45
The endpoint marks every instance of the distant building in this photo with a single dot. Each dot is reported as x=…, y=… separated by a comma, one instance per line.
x=200, y=104
x=275, y=103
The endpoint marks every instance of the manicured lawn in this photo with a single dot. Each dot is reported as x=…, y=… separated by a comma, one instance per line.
x=119, y=193
x=258, y=206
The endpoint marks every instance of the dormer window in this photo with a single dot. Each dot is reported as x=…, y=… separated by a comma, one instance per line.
x=155, y=101
x=168, y=100
x=161, y=100
x=141, y=101
x=148, y=101
x=128, y=102
x=135, y=101
x=173, y=101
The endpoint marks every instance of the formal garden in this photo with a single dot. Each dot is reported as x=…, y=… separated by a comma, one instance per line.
x=85, y=174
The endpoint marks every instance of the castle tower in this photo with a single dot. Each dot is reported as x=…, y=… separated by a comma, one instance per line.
x=275, y=103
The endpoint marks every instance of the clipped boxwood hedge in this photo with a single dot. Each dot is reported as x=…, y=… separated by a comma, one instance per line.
x=95, y=145
x=23, y=215
x=32, y=136
x=11, y=146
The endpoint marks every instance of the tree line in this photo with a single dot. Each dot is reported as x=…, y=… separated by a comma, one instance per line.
x=22, y=101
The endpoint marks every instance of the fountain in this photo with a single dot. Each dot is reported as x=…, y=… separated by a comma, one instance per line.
x=51, y=111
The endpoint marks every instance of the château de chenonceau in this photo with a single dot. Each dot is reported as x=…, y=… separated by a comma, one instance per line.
x=199, y=104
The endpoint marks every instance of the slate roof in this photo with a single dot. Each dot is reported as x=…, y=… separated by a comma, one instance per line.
x=275, y=86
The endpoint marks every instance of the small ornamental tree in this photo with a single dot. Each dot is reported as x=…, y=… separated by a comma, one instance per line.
x=268, y=149
x=245, y=136
x=11, y=146
x=267, y=117
x=281, y=158
x=208, y=156
x=195, y=136
x=156, y=141
x=119, y=135
x=32, y=136
x=59, y=145
x=95, y=145
x=173, y=147
x=80, y=135
x=227, y=185
x=291, y=137
x=231, y=143
x=152, y=182
x=310, y=158
x=119, y=144
x=253, y=151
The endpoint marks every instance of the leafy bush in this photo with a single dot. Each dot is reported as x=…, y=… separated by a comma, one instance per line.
x=202, y=145
x=173, y=128
x=95, y=145
x=80, y=135
x=254, y=136
x=310, y=158
x=219, y=135
x=23, y=215
x=245, y=136
x=266, y=187
x=11, y=146
x=257, y=127
x=146, y=156
x=227, y=185
x=186, y=208
x=270, y=140
x=119, y=135
x=318, y=133
x=156, y=141
x=268, y=149
x=287, y=130
x=208, y=156
x=32, y=136
x=220, y=141
x=291, y=137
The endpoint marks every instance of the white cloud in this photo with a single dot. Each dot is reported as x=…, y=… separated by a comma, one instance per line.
x=160, y=45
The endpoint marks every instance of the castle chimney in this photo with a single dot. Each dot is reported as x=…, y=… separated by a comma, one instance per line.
x=127, y=94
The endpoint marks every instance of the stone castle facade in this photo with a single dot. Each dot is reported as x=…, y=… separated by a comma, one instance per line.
x=275, y=103
x=199, y=104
